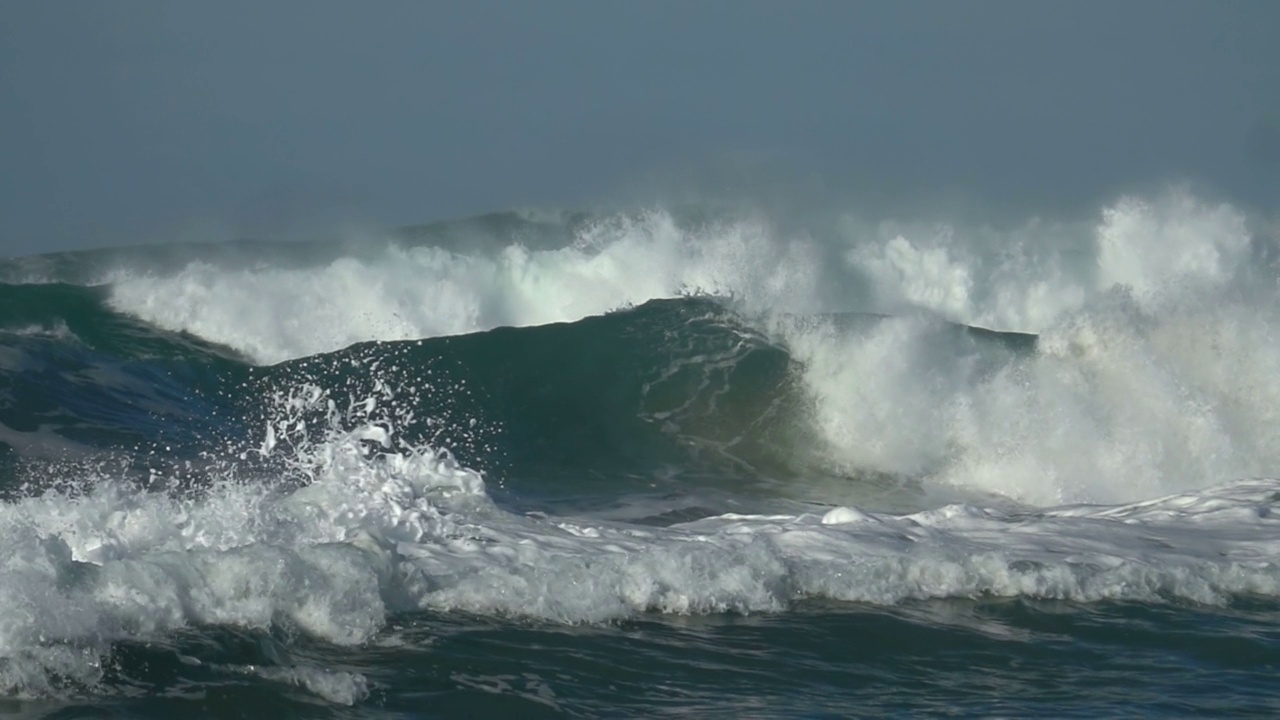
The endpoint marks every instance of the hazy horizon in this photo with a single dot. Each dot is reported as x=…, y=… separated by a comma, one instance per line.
x=163, y=121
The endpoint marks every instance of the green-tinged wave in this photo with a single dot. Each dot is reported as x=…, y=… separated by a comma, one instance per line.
x=81, y=314
x=667, y=395
x=627, y=397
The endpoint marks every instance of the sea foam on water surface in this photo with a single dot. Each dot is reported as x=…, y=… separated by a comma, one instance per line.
x=374, y=534
x=1149, y=393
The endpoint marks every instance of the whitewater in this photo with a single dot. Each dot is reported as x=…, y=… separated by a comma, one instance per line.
x=484, y=466
x=1151, y=373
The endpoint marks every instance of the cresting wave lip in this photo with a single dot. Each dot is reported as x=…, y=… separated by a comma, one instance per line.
x=626, y=396
x=1151, y=374
x=480, y=275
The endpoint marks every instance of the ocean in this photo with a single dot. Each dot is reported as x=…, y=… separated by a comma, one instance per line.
x=694, y=462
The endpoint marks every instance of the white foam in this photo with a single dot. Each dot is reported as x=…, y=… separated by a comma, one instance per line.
x=1152, y=374
x=56, y=330
x=1022, y=278
x=1159, y=336
x=398, y=293
x=1027, y=278
x=372, y=535
x=1151, y=379
x=343, y=688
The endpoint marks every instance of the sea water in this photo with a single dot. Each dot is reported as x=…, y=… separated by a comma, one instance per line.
x=654, y=463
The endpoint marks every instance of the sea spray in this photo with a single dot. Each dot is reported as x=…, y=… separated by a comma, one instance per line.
x=739, y=443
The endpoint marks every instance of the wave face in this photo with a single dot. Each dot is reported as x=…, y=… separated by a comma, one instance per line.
x=577, y=419
x=1151, y=372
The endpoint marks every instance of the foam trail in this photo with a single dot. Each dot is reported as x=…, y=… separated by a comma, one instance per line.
x=373, y=535
x=342, y=688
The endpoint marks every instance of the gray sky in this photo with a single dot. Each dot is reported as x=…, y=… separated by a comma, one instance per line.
x=138, y=121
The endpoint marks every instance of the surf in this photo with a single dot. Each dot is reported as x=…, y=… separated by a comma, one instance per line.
x=593, y=419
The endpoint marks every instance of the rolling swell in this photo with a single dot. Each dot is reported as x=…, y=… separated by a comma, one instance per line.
x=671, y=397
x=80, y=381
x=81, y=314
x=102, y=265
x=623, y=395
x=1136, y=346
x=582, y=408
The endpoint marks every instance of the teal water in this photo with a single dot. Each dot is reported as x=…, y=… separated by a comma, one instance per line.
x=501, y=500
x=1013, y=658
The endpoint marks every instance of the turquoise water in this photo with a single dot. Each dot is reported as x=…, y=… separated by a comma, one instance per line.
x=646, y=465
